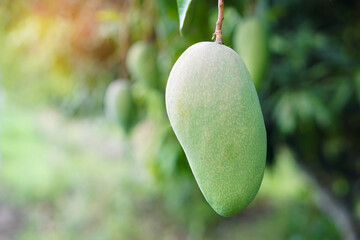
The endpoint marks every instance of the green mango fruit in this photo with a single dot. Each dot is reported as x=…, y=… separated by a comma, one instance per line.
x=250, y=42
x=119, y=104
x=141, y=63
x=215, y=113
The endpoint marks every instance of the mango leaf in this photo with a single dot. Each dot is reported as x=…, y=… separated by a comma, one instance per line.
x=183, y=6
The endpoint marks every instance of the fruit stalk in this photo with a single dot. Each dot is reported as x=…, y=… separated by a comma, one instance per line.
x=218, y=31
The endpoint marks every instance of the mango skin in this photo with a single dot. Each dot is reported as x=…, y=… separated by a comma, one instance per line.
x=250, y=42
x=215, y=113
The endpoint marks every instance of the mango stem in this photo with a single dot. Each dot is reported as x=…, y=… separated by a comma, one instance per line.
x=218, y=31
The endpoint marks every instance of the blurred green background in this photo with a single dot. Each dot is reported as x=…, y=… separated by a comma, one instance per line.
x=86, y=149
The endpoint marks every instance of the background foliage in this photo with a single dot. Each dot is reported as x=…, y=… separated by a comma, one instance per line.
x=57, y=58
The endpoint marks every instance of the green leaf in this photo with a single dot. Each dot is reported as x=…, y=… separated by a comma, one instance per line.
x=183, y=6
